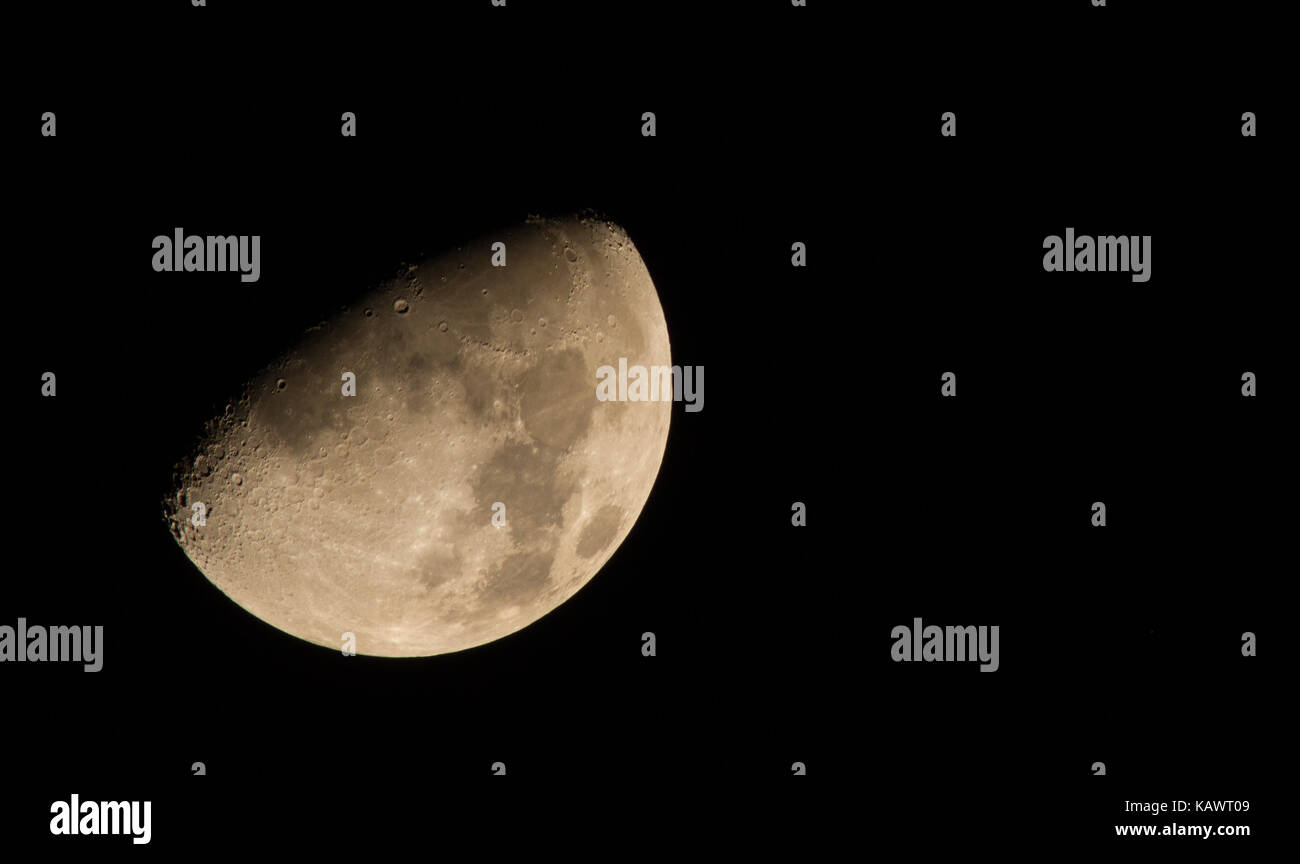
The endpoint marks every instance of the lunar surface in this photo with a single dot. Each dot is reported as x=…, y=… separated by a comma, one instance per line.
x=475, y=396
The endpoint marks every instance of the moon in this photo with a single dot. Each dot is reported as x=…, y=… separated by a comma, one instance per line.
x=472, y=484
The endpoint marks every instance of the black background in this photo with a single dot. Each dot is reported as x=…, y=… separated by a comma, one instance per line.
x=819, y=125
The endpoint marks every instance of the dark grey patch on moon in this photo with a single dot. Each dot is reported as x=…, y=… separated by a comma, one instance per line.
x=528, y=484
x=437, y=566
x=558, y=397
x=414, y=381
x=480, y=391
x=600, y=531
x=444, y=348
x=518, y=580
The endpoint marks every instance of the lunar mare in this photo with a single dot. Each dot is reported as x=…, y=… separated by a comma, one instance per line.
x=372, y=514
